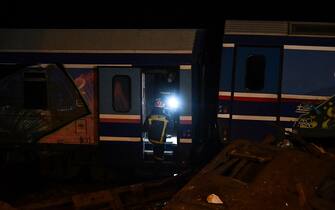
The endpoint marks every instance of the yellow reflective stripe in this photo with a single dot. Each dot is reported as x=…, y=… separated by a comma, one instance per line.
x=156, y=142
x=162, y=119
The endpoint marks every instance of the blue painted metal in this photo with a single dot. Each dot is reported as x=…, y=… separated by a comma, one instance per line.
x=252, y=130
x=185, y=92
x=227, y=60
x=309, y=72
x=255, y=108
x=305, y=72
x=120, y=129
x=272, y=57
x=106, y=75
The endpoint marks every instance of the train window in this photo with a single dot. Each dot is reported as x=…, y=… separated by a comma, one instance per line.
x=35, y=90
x=255, y=72
x=121, y=93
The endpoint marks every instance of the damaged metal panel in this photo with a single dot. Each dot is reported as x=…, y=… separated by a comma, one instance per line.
x=257, y=176
x=35, y=101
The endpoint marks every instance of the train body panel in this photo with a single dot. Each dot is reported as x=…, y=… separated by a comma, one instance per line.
x=83, y=130
x=37, y=101
x=119, y=112
x=266, y=80
x=298, y=73
x=108, y=68
x=118, y=127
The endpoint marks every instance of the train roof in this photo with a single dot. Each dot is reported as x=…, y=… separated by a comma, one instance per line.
x=145, y=40
x=279, y=28
x=97, y=40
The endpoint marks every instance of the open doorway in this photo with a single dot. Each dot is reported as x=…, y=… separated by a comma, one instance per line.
x=162, y=83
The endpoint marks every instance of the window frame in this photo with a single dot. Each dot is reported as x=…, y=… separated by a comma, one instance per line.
x=247, y=73
x=130, y=93
x=31, y=80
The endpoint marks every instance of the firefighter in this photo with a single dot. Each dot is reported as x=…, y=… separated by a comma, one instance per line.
x=156, y=126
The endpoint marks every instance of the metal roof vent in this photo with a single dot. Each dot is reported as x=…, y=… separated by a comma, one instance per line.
x=312, y=29
x=244, y=27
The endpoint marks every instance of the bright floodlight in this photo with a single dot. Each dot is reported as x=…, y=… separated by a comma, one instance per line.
x=173, y=102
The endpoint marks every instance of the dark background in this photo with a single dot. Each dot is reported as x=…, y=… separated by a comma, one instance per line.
x=155, y=14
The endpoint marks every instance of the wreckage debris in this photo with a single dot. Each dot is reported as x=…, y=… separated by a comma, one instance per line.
x=261, y=176
x=243, y=176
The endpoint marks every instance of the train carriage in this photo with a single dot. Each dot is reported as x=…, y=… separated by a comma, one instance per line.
x=118, y=73
x=271, y=73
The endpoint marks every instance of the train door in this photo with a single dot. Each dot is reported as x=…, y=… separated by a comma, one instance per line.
x=254, y=106
x=162, y=83
x=120, y=113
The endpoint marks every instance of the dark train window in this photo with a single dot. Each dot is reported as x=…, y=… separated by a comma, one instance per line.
x=35, y=91
x=255, y=72
x=121, y=93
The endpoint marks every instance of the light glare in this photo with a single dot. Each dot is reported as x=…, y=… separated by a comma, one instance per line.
x=173, y=102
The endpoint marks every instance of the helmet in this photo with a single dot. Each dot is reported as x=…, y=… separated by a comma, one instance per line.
x=171, y=77
x=159, y=103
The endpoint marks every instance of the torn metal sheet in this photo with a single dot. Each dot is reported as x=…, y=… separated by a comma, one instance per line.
x=259, y=177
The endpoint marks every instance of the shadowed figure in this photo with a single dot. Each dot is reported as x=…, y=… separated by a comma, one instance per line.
x=156, y=126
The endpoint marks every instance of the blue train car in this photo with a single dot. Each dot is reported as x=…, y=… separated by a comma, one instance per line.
x=118, y=73
x=271, y=73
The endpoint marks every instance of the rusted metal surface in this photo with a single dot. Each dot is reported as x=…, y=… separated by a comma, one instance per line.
x=259, y=176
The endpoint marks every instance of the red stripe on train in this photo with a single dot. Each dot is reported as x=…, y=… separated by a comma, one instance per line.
x=251, y=99
x=186, y=122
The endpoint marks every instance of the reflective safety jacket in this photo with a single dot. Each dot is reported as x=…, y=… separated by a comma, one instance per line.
x=156, y=126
